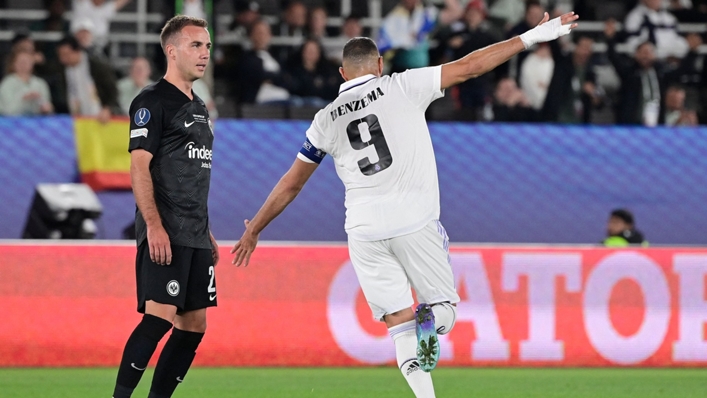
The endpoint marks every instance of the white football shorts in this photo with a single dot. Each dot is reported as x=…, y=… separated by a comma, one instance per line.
x=387, y=268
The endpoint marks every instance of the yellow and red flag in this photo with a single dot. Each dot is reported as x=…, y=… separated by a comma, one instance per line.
x=102, y=151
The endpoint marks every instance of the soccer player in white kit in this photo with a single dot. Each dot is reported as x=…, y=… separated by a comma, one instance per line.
x=377, y=134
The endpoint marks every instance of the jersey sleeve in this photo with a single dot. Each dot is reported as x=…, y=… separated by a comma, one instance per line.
x=422, y=85
x=314, y=147
x=145, y=125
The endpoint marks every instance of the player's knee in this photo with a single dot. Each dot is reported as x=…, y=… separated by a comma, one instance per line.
x=445, y=317
x=196, y=324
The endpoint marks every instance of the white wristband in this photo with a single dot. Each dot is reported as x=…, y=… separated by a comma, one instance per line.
x=548, y=31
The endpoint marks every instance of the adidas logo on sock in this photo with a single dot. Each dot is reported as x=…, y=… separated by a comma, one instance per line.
x=413, y=367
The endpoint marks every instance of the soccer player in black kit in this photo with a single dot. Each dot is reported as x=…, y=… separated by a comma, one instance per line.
x=170, y=147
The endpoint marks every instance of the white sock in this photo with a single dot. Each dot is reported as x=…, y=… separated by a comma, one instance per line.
x=405, y=351
x=445, y=317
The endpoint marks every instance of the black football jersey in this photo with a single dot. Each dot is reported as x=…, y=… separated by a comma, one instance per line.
x=179, y=135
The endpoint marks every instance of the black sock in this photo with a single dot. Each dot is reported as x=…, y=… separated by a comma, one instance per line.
x=174, y=362
x=138, y=350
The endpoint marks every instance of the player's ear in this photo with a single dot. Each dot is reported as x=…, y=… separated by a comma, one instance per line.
x=380, y=66
x=341, y=72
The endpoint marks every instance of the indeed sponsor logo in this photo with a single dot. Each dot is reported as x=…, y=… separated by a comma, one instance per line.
x=194, y=152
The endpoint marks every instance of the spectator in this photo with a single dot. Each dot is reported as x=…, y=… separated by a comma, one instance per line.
x=101, y=12
x=294, y=20
x=311, y=79
x=467, y=37
x=536, y=74
x=259, y=70
x=689, y=11
x=534, y=12
x=403, y=37
x=573, y=92
x=648, y=22
x=22, y=42
x=510, y=104
x=246, y=13
x=675, y=112
x=317, y=24
x=130, y=86
x=641, y=82
x=85, y=85
x=55, y=21
x=83, y=32
x=294, y=24
x=621, y=232
x=351, y=28
x=692, y=75
x=22, y=93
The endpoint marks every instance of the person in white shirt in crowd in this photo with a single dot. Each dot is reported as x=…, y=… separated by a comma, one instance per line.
x=193, y=8
x=259, y=71
x=649, y=21
x=22, y=93
x=100, y=12
x=535, y=75
x=404, y=35
x=130, y=86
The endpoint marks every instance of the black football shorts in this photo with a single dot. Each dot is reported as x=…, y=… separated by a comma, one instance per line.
x=189, y=282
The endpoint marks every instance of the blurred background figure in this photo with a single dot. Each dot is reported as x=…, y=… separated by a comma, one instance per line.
x=85, y=85
x=22, y=93
x=292, y=24
x=55, y=21
x=536, y=74
x=310, y=78
x=508, y=12
x=404, y=36
x=573, y=91
x=642, y=82
x=259, y=72
x=650, y=22
x=245, y=14
x=83, y=32
x=621, y=231
x=100, y=12
x=22, y=41
x=675, y=113
x=350, y=29
x=510, y=104
x=470, y=34
x=130, y=86
x=317, y=23
x=691, y=74
x=533, y=15
x=201, y=89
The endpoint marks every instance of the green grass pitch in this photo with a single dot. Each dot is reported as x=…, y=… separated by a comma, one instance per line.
x=369, y=382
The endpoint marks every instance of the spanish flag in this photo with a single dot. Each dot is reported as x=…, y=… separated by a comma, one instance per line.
x=102, y=151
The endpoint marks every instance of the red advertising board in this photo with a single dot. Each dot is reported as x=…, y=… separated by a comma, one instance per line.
x=74, y=305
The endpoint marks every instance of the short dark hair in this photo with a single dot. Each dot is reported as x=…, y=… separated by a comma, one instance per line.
x=18, y=37
x=358, y=49
x=176, y=24
x=624, y=215
x=69, y=41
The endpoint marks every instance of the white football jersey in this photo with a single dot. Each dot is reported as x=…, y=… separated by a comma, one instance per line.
x=377, y=134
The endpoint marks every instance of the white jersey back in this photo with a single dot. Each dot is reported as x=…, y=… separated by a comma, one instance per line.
x=377, y=134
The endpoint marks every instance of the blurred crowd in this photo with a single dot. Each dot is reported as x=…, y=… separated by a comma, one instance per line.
x=285, y=53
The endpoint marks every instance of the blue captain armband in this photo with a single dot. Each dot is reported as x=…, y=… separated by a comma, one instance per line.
x=311, y=152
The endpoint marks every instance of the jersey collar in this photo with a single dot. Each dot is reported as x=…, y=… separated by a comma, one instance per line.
x=356, y=82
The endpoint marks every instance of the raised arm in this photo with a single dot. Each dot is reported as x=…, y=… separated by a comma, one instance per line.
x=484, y=60
x=282, y=195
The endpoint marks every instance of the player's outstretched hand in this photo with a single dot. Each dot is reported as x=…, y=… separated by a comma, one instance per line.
x=245, y=247
x=160, y=249
x=549, y=29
